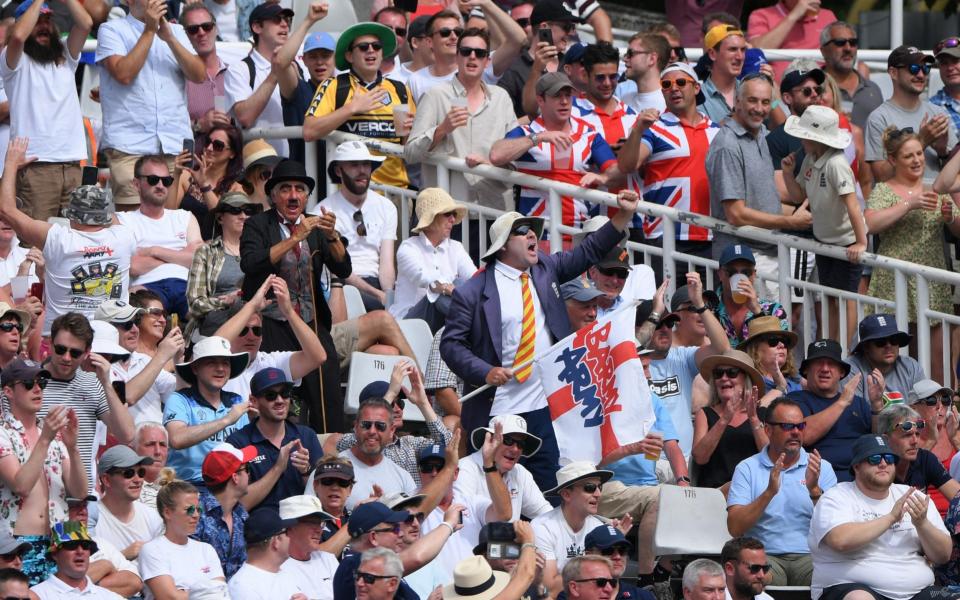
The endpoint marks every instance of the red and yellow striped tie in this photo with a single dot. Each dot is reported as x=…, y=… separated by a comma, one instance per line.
x=528, y=333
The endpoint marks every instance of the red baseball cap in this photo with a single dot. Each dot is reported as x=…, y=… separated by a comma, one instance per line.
x=224, y=460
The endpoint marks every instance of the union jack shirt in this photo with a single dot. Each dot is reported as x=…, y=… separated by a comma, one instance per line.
x=543, y=160
x=675, y=173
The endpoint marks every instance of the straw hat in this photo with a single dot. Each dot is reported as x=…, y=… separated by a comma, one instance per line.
x=818, y=124
x=475, y=579
x=435, y=201
x=766, y=324
x=259, y=152
x=731, y=358
x=575, y=472
x=501, y=228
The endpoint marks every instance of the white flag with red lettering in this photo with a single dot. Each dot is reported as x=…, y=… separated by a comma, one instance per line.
x=598, y=396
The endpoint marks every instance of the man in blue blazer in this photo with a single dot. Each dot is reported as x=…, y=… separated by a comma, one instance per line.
x=483, y=328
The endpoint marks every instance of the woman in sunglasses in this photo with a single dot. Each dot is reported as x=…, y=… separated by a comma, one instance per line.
x=770, y=348
x=174, y=562
x=934, y=404
x=213, y=284
x=153, y=323
x=730, y=429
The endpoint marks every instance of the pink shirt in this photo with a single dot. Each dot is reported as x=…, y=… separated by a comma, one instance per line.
x=804, y=35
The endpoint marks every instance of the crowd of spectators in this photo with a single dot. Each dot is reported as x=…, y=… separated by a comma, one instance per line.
x=175, y=343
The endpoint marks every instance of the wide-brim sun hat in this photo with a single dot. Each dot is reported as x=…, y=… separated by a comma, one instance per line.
x=512, y=425
x=475, y=579
x=24, y=316
x=501, y=228
x=572, y=473
x=435, y=201
x=731, y=358
x=259, y=152
x=381, y=32
x=818, y=124
x=352, y=151
x=213, y=347
x=758, y=327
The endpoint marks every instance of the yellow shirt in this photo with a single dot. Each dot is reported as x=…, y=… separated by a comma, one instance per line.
x=376, y=124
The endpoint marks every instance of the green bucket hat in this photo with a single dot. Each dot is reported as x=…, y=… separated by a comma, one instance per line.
x=69, y=531
x=382, y=32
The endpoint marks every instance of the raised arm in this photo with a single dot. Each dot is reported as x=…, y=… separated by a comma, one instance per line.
x=513, y=35
x=118, y=420
x=282, y=62
x=191, y=64
x=818, y=424
x=82, y=23
x=311, y=354
x=21, y=478
x=124, y=68
x=634, y=153
x=28, y=229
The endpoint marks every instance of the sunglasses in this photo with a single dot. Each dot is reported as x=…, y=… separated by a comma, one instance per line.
x=788, y=426
x=193, y=509
x=129, y=473
x=256, y=329
x=510, y=441
x=621, y=550
x=430, y=468
x=591, y=487
x=681, y=82
x=29, y=383
x=364, y=46
x=167, y=181
x=950, y=42
x=810, y=91
x=277, y=19
x=335, y=481
x=944, y=400
x=155, y=312
x=60, y=349
x=630, y=53
x=445, y=32
x=883, y=343
x=692, y=309
x=75, y=544
x=601, y=582
x=370, y=578
x=890, y=459
x=418, y=517
x=195, y=29
x=604, y=77
x=754, y=569
x=465, y=52
x=8, y=327
x=11, y=556
x=775, y=340
x=400, y=31
x=900, y=132
x=841, y=42
x=915, y=69
x=380, y=425
x=906, y=426
x=729, y=372
x=613, y=272
x=125, y=326
x=361, y=226
x=394, y=530
x=523, y=22
x=521, y=230
x=248, y=210
x=748, y=271
x=218, y=145
x=566, y=26
x=272, y=395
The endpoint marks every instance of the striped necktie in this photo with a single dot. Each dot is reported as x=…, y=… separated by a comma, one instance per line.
x=528, y=333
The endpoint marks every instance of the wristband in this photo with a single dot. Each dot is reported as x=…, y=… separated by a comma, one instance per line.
x=452, y=530
x=684, y=479
x=206, y=188
x=491, y=469
x=528, y=545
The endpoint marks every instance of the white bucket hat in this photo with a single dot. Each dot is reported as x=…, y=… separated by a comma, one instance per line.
x=106, y=339
x=577, y=471
x=501, y=228
x=298, y=507
x=402, y=500
x=818, y=124
x=209, y=347
x=475, y=579
x=511, y=424
x=352, y=151
x=435, y=201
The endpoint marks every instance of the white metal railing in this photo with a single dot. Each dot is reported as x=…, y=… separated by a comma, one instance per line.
x=922, y=276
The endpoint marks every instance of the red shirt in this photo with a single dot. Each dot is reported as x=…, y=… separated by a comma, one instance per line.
x=804, y=35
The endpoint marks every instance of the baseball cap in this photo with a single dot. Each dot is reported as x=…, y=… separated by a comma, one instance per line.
x=574, y=54
x=550, y=84
x=551, y=10
x=319, y=40
x=580, y=289
x=433, y=451
x=224, y=460
x=924, y=389
x=718, y=33
x=615, y=259
x=645, y=309
x=737, y=252
x=267, y=378
x=370, y=514
x=374, y=389
x=401, y=500
x=117, y=311
x=121, y=457
x=267, y=11
x=11, y=545
x=682, y=296
x=89, y=205
x=867, y=445
x=753, y=59
x=72, y=500
x=903, y=56
x=263, y=523
x=333, y=469
x=949, y=46
x=22, y=370
x=792, y=79
x=605, y=536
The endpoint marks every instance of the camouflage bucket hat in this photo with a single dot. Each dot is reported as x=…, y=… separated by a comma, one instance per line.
x=69, y=531
x=89, y=205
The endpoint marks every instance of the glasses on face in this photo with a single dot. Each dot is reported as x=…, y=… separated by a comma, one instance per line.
x=379, y=425
x=692, y=309
x=154, y=311
x=167, y=180
x=728, y=372
x=788, y=426
x=370, y=578
x=775, y=340
x=613, y=272
x=335, y=481
x=129, y=473
x=566, y=26
x=418, y=517
x=681, y=82
x=12, y=556
x=915, y=69
x=890, y=459
x=218, y=145
x=907, y=426
x=445, y=32
x=400, y=31
x=600, y=582
x=590, y=488
x=510, y=441
x=365, y=46
x=195, y=29
x=193, y=509
x=620, y=549
x=430, y=468
x=30, y=383
x=841, y=42
x=60, y=349
x=521, y=230
x=75, y=544
x=810, y=91
x=256, y=329
x=754, y=569
x=10, y=326
x=883, y=343
x=943, y=400
x=395, y=530
x=748, y=271
x=604, y=77
x=523, y=22
x=125, y=326
x=481, y=53
x=271, y=395
x=361, y=226
x=950, y=42
x=248, y=210
x=278, y=19
x=630, y=53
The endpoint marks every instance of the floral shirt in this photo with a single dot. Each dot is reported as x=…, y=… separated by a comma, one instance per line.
x=13, y=442
x=767, y=307
x=212, y=529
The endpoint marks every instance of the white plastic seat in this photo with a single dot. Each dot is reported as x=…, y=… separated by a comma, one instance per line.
x=366, y=368
x=355, y=308
x=690, y=521
x=419, y=337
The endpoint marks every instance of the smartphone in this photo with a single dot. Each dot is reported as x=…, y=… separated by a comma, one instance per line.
x=36, y=290
x=89, y=176
x=189, y=145
x=120, y=387
x=545, y=34
x=174, y=321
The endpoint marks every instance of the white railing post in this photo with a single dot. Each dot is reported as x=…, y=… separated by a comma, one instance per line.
x=443, y=177
x=310, y=158
x=901, y=295
x=783, y=274
x=555, y=211
x=923, y=323
x=669, y=264
x=331, y=148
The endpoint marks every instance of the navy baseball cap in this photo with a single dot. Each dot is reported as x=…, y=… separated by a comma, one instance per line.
x=267, y=378
x=263, y=523
x=792, y=79
x=737, y=252
x=605, y=536
x=267, y=11
x=370, y=514
x=374, y=389
x=432, y=451
x=753, y=59
x=574, y=54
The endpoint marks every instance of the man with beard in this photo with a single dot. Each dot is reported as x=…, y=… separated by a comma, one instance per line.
x=858, y=96
x=70, y=548
x=745, y=566
x=773, y=493
x=647, y=55
x=871, y=537
x=909, y=69
x=285, y=451
x=167, y=238
x=366, y=220
x=36, y=59
x=877, y=357
x=297, y=247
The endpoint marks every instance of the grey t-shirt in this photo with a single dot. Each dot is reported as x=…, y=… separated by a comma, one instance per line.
x=906, y=372
x=740, y=168
x=888, y=114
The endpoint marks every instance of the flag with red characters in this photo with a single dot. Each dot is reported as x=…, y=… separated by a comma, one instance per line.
x=598, y=396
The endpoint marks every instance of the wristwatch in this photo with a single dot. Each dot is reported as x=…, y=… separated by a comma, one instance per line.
x=534, y=139
x=492, y=468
